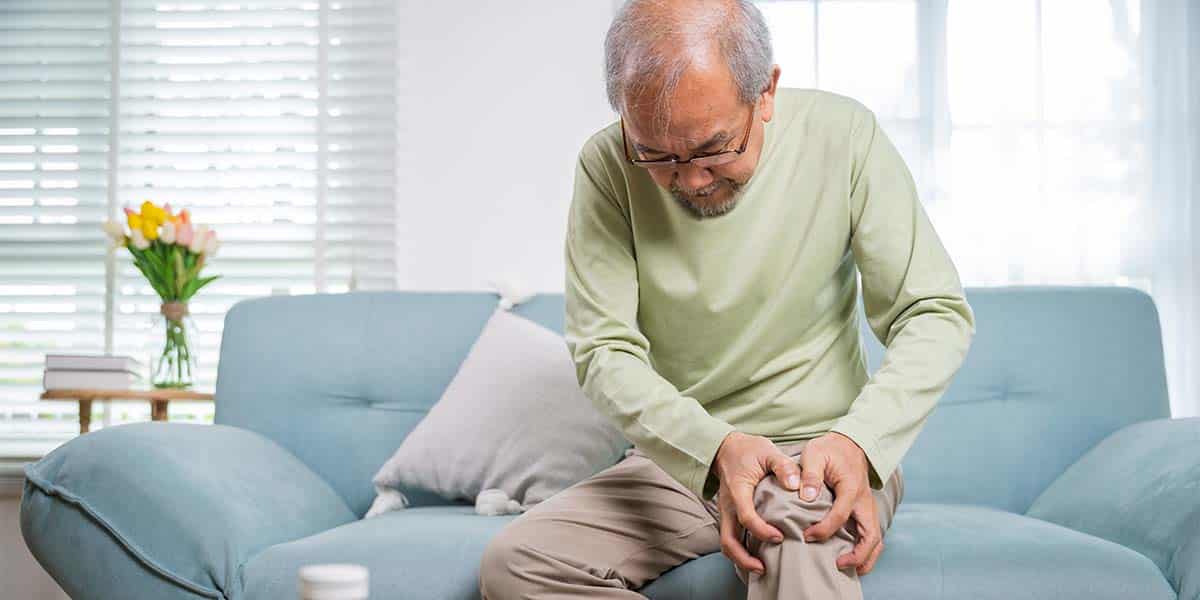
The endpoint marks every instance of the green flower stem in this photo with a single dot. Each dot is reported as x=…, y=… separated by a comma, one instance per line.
x=174, y=368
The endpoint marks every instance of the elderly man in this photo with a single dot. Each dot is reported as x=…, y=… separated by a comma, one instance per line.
x=712, y=249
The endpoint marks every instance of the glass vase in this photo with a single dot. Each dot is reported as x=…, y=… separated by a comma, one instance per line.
x=174, y=366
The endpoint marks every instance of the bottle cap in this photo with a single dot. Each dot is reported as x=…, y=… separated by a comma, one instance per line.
x=337, y=581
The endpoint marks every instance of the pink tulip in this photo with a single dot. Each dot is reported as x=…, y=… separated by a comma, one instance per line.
x=210, y=243
x=199, y=235
x=183, y=234
x=128, y=212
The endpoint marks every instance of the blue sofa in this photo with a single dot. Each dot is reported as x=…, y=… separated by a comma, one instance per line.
x=1049, y=470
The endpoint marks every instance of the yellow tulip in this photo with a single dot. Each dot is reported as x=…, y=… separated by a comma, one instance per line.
x=135, y=220
x=150, y=212
x=150, y=229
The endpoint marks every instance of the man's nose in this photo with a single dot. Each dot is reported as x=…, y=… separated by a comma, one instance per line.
x=692, y=178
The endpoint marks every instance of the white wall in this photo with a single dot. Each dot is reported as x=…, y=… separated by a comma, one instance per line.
x=496, y=100
x=21, y=577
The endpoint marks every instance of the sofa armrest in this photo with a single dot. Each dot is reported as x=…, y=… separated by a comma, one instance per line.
x=1139, y=487
x=187, y=502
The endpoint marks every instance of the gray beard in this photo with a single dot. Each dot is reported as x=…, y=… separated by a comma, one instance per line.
x=708, y=210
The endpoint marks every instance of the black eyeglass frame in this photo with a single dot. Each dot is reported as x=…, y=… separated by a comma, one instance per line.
x=700, y=160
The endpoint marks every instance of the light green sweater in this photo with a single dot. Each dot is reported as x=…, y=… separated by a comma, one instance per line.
x=684, y=329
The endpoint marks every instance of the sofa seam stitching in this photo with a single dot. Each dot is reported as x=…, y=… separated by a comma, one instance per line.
x=55, y=490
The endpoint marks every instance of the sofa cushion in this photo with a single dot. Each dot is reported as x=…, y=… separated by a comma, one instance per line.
x=933, y=551
x=513, y=418
x=958, y=551
x=1138, y=488
x=420, y=552
x=187, y=504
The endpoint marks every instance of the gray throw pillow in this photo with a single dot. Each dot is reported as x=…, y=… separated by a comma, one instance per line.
x=513, y=418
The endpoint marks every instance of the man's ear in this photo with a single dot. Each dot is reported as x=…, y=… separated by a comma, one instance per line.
x=768, y=95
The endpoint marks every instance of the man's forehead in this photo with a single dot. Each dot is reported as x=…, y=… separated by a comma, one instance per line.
x=704, y=103
x=690, y=130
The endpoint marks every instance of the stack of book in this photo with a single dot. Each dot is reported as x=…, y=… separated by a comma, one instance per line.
x=91, y=371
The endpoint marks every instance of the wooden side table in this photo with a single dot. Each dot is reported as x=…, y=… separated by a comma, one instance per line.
x=158, y=400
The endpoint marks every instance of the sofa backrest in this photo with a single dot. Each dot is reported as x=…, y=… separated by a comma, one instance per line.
x=1051, y=371
x=340, y=379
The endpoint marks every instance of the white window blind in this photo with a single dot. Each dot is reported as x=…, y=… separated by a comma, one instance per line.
x=55, y=107
x=273, y=121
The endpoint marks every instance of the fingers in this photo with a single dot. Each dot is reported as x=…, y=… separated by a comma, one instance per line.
x=863, y=570
x=743, y=506
x=785, y=470
x=731, y=547
x=845, y=492
x=812, y=476
x=869, y=535
x=868, y=540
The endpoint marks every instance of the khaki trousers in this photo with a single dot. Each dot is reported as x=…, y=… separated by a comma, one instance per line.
x=625, y=526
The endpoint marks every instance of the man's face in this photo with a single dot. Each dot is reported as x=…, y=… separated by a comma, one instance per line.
x=706, y=116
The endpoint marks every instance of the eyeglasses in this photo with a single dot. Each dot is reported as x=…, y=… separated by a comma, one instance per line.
x=703, y=160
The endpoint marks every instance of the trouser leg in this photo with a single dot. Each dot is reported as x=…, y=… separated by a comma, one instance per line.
x=620, y=529
x=601, y=538
x=795, y=569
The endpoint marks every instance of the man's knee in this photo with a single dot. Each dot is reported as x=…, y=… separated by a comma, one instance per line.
x=499, y=575
x=786, y=510
x=522, y=561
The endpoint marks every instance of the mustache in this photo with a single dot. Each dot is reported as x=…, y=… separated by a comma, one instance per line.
x=705, y=191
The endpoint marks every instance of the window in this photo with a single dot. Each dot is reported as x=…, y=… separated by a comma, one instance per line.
x=1019, y=120
x=273, y=121
x=1026, y=124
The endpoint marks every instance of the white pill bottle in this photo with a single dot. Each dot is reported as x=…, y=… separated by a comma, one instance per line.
x=339, y=581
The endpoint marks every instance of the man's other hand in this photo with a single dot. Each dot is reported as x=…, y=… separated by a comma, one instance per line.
x=838, y=461
x=742, y=461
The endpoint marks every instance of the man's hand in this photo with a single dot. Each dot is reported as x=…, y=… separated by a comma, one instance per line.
x=838, y=461
x=742, y=461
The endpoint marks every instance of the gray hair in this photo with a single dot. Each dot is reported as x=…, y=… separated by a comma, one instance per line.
x=649, y=44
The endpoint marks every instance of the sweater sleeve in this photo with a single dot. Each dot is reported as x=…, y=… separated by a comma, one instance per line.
x=610, y=353
x=913, y=299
